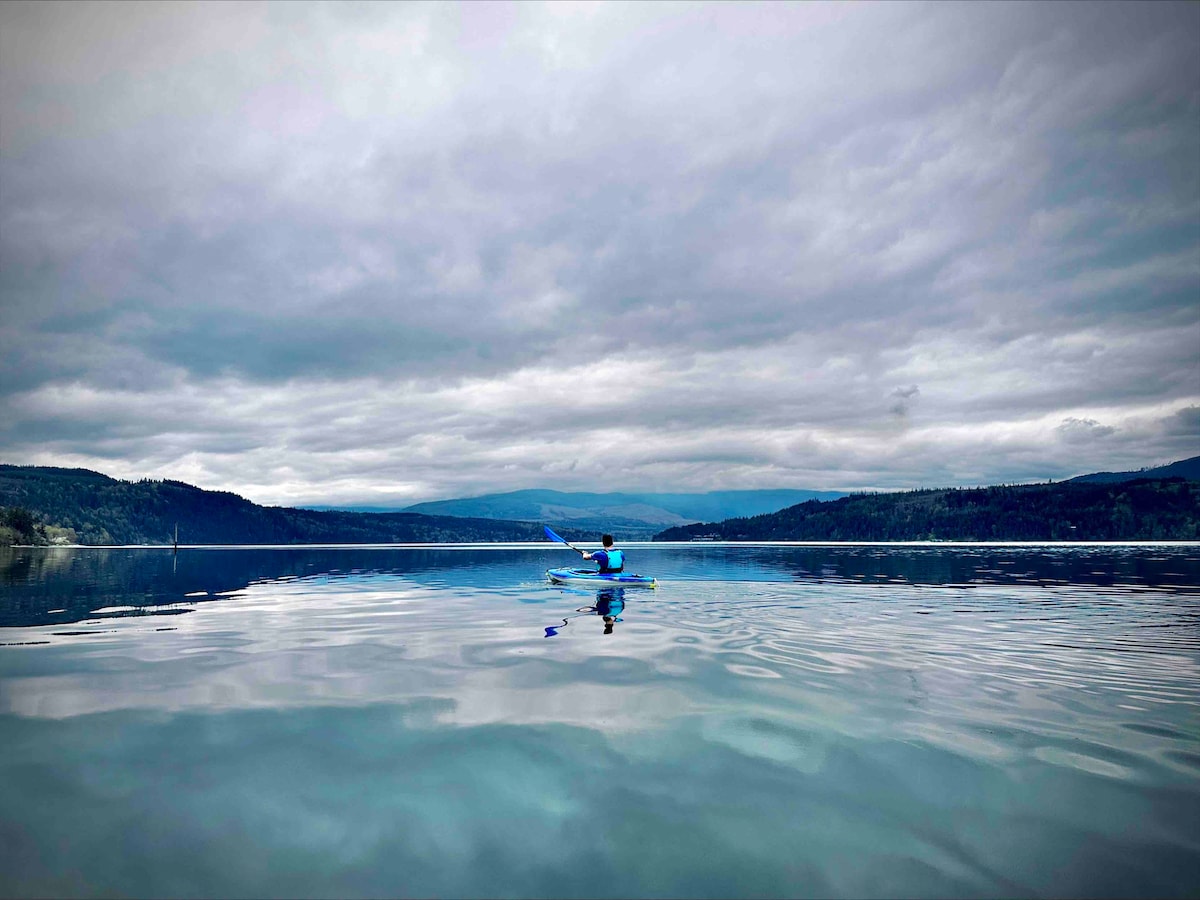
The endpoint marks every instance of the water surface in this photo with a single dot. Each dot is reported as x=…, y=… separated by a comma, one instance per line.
x=771, y=721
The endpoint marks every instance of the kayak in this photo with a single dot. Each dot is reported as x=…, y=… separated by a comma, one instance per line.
x=591, y=576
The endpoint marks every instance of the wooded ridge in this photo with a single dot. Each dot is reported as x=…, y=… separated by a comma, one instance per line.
x=1143, y=509
x=41, y=505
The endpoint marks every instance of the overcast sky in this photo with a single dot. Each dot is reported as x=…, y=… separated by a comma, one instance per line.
x=394, y=252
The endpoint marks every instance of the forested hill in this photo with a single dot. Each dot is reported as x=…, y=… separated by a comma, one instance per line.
x=1184, y=468
x=41, y=504
x=1144, y=509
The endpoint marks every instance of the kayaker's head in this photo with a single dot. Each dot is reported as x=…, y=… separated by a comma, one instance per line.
x=607, y=540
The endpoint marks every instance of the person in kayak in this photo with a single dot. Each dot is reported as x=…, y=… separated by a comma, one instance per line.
x=610, y=559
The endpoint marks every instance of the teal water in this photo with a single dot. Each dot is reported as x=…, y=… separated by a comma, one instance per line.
x=924, y=721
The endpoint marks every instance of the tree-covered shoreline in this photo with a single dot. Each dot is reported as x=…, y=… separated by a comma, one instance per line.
x=1142, y=509
x=42, y=505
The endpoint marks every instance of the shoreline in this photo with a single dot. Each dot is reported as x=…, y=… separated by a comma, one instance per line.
x=539, y=545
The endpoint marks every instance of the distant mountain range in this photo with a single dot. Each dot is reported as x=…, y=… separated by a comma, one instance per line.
x=45, y=504
x=1153, y=504
x=625, y=515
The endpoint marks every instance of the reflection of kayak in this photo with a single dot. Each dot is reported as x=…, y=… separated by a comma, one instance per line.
x=591, y=576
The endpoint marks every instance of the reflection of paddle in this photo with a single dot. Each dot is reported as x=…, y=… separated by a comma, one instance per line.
x=552, y=630
x=554, y=537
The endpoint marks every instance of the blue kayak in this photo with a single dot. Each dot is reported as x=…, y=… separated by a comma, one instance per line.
x=591, y=576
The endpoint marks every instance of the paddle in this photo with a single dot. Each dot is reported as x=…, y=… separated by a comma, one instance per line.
x=554, y=537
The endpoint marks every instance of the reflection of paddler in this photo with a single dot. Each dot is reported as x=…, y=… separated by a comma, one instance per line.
x=610, y=603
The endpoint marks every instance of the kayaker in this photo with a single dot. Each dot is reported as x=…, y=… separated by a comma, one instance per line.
x=610, y=558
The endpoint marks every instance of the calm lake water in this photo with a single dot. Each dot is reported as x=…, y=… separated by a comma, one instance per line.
x=920, y=721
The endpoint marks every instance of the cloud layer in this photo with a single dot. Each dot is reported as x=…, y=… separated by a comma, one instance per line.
x=399, y=251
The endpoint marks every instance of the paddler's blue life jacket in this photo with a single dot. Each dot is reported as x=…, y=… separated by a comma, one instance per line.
x=615, y=561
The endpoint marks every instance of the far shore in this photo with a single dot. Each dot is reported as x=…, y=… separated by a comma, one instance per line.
x=535, y=545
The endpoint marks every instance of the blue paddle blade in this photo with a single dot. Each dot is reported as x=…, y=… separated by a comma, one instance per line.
x=554, y=537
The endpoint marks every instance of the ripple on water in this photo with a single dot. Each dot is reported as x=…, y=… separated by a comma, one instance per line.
x=751, y=671
x=772, y=739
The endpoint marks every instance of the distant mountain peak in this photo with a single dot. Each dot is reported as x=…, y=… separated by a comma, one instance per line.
x=625, y=514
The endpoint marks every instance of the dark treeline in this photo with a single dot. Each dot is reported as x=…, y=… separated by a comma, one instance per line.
x=47, y=505
x=1147, y=509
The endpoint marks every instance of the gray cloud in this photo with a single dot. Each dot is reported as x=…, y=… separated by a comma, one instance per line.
x=339, y=252
x=1083, y=431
